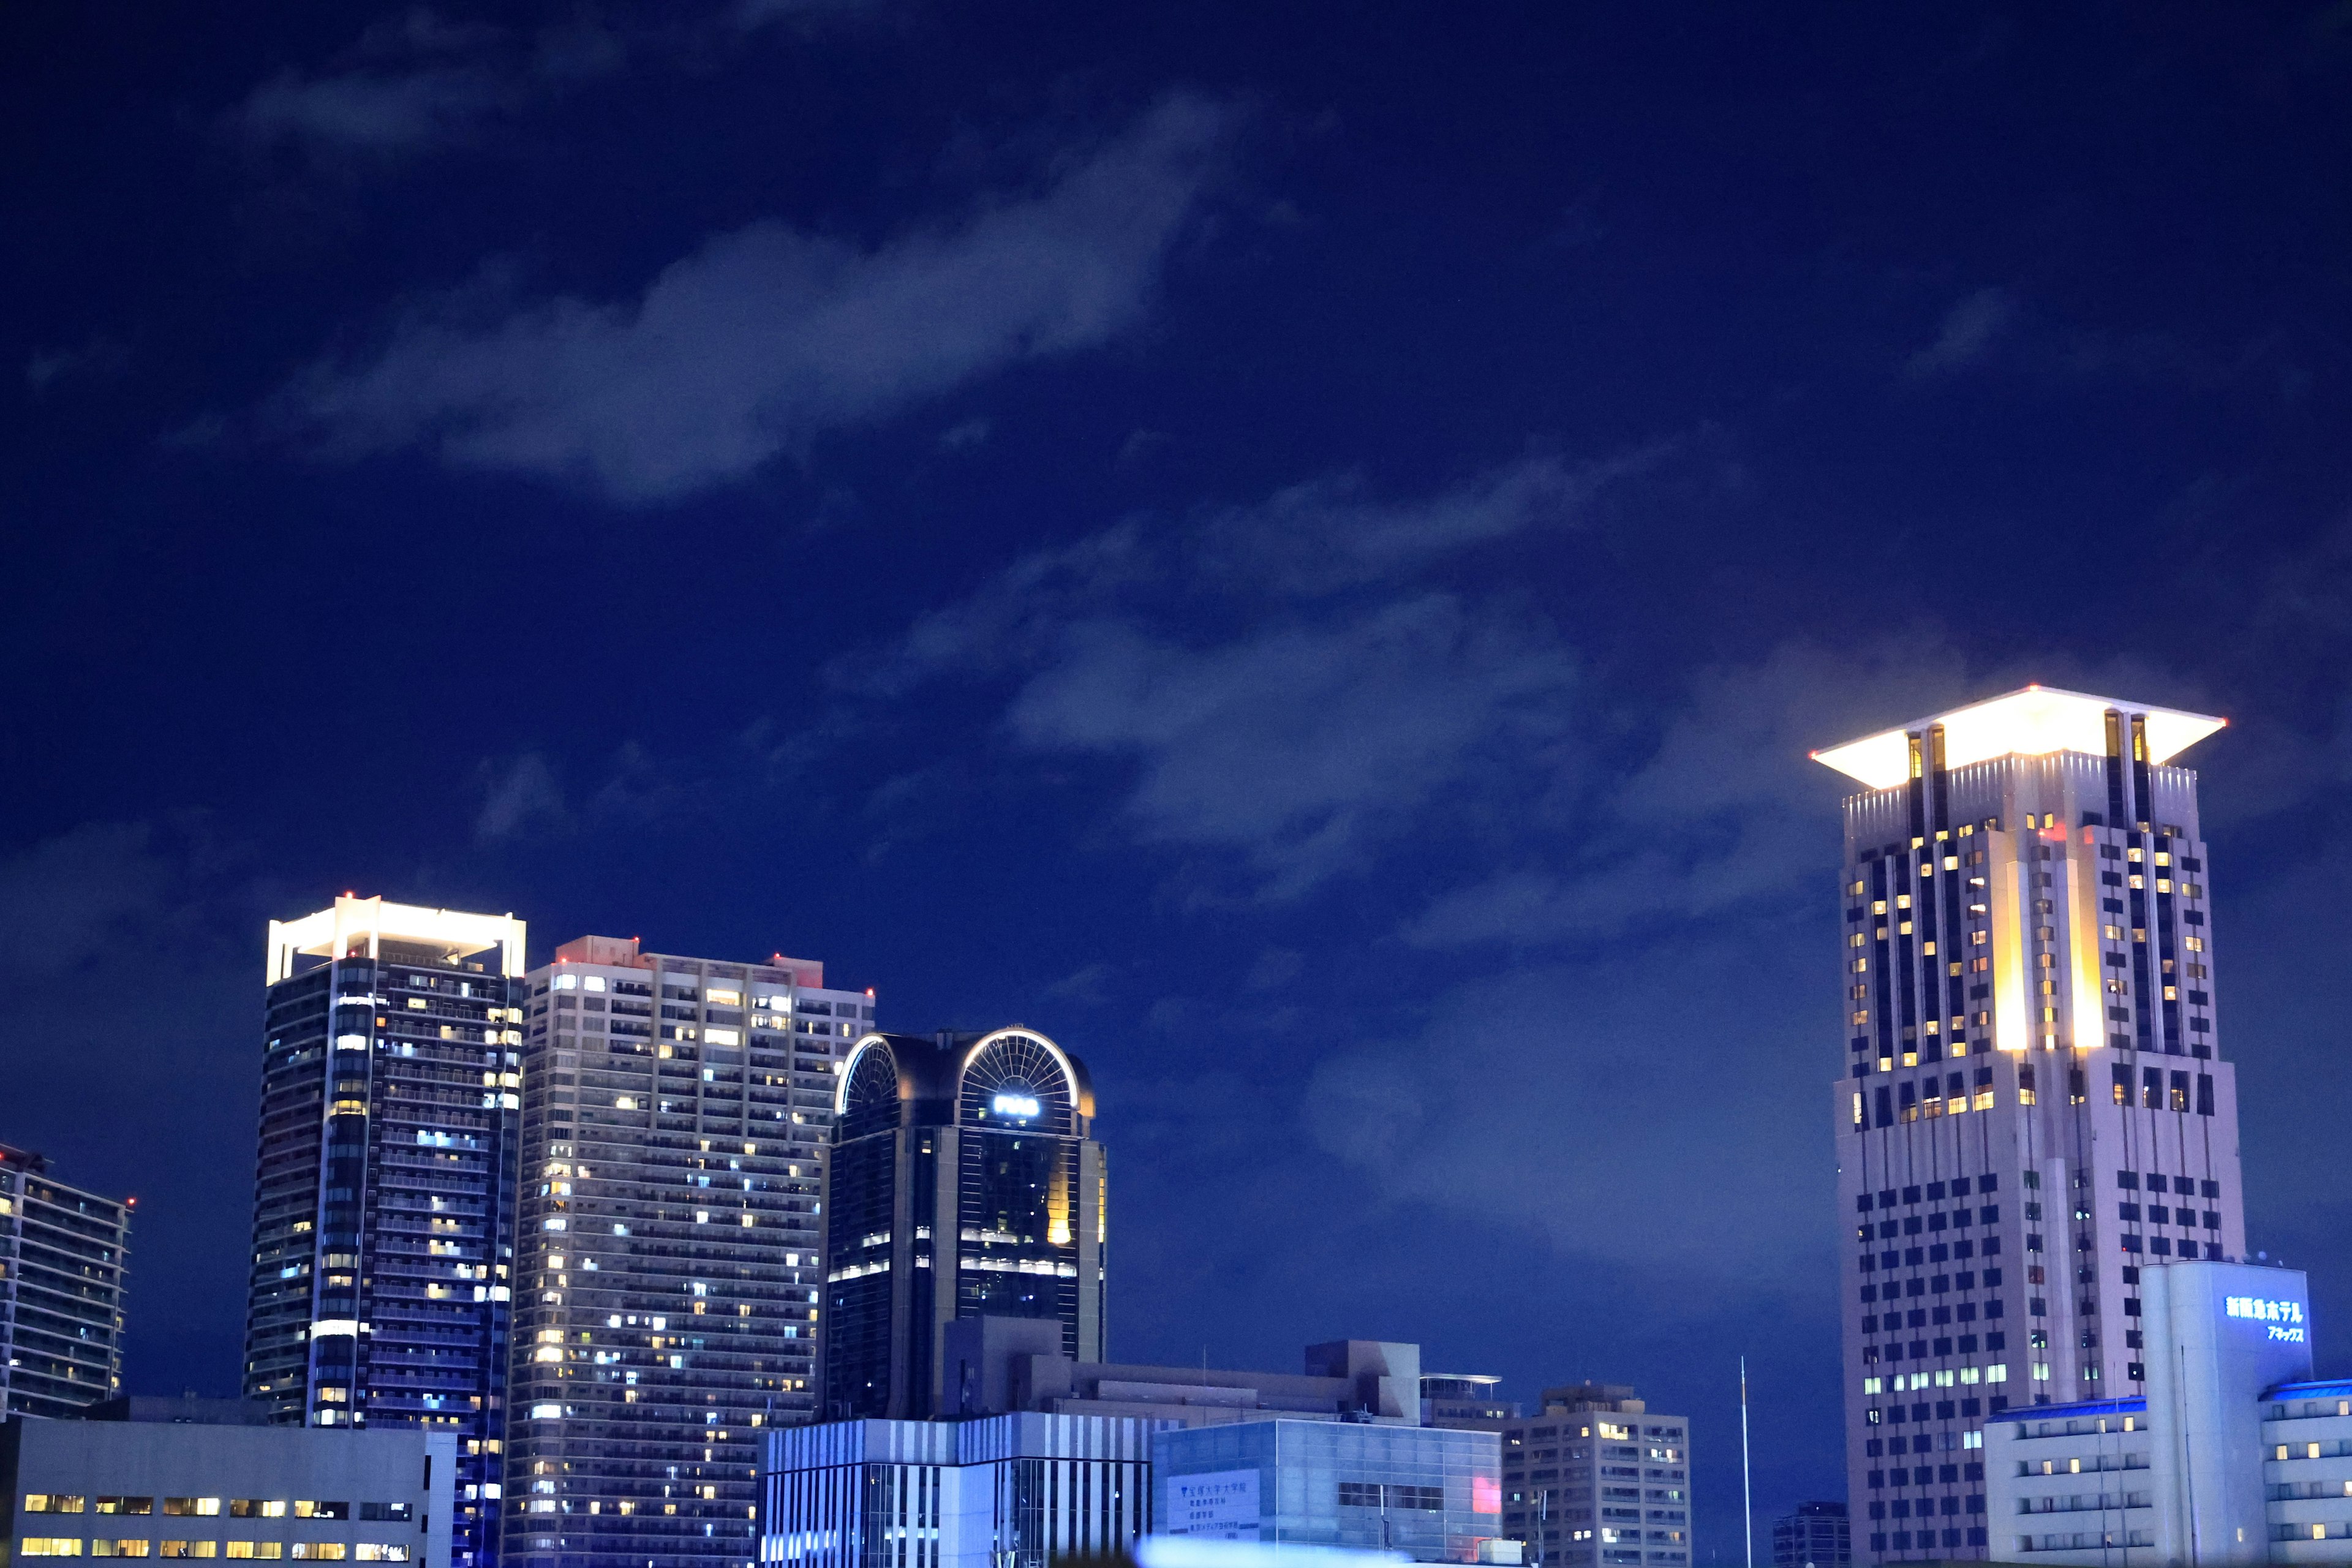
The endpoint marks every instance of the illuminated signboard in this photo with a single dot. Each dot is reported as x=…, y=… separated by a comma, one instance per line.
x=1016, y=1105
x=2284, y=1319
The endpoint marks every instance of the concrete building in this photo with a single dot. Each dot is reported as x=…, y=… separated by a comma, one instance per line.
x=998, y=1364
x=1597, y=1479
x=385, y=1193
x=1002, y=1491
x=675, y=1119
x=964, y=1183
x=191, y=1479
x=1814, y=1535
x=1431, y=1493
x=62, y=1256
x=1464, y=1399
x=2232, y=1456
x=2033, y=1108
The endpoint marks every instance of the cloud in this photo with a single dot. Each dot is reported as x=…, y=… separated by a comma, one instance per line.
x=965, y=436
x=522, y=793
x=417, y=81
x=767, y=337
x=101, y=357
x=1276, y=685
x=1463, y=1118
x=1301, y=744
x=1727, y=811
x=1969, y=330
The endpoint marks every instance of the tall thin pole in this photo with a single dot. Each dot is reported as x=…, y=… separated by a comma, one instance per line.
x=1747, y=1496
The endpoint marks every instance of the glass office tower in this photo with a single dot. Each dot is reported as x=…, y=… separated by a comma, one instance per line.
x=675, y=1122
x=2034, y=1109
x=384, y=1201
x=62, y=1254
x=964, y=1184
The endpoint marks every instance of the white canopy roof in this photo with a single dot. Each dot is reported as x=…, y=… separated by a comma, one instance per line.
x=2034, y=722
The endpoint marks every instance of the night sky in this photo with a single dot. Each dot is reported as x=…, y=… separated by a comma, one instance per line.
x=1299, y=548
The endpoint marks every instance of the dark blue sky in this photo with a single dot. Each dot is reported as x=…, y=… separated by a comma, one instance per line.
x=1299, y=548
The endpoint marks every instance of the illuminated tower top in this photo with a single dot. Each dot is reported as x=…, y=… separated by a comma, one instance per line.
x=2033, y=720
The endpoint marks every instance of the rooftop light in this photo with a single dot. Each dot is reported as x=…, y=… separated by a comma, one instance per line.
x=2034, y=722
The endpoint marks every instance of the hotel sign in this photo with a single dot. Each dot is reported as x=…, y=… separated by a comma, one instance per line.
x=2284, y=1319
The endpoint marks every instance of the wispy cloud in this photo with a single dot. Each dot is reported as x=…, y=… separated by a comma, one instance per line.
x=1970, y=329
x=99, y=358
x=418, y=81
x=769, y=336
x=1342, y=697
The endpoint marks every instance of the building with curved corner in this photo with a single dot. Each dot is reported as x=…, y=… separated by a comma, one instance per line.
x=964, y=1181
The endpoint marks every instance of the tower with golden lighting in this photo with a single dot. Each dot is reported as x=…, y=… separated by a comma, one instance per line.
x=964, y=1183
x=2032, y=1108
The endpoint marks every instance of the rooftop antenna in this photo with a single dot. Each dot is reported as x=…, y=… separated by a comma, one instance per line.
x=1748, y=1507
x=1746, y=1496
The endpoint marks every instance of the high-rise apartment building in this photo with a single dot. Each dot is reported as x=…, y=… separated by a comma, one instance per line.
x=2033, y=1108
x=964, y=1184
x=385, y=1198
x=1598, y=1479
x=62, y=1255
x=675, y=1123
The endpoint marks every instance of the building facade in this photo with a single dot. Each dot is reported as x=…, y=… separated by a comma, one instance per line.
x=1002, y=1491
x=384, y=1192
x=63, y=1252
x=2033, y=1108
x=2231, y=1456
x=675, y=1120
x=1814, y=1535
x=1598, y=1481
x=181, y=1486
x=964, y=1183
x=1431, y=1493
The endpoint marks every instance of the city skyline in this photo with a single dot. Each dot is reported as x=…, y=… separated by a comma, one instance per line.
x=1298, y=553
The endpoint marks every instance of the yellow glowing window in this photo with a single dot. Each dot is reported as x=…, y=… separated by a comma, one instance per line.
x=187, y=1549
x=50, y=1546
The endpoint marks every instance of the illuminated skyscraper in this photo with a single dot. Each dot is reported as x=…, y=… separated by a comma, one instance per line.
x=675, y=1120
x=384, y=1201
x=964, y=1184
x=62, y=1254
x=2034, y=1109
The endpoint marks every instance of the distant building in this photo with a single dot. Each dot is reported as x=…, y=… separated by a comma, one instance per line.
x=1002, y=1491
x=1431, y=1493
x=2033, y=1108
x=998, y=1364
x=675, y=1119
x=1466, y=1400
x=964, y=1181
x=1817, y=1535
x=384, y=1196
x=62, y=1256
x=1598, y=1481
x=2232, y=1456
x=212, y=1478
